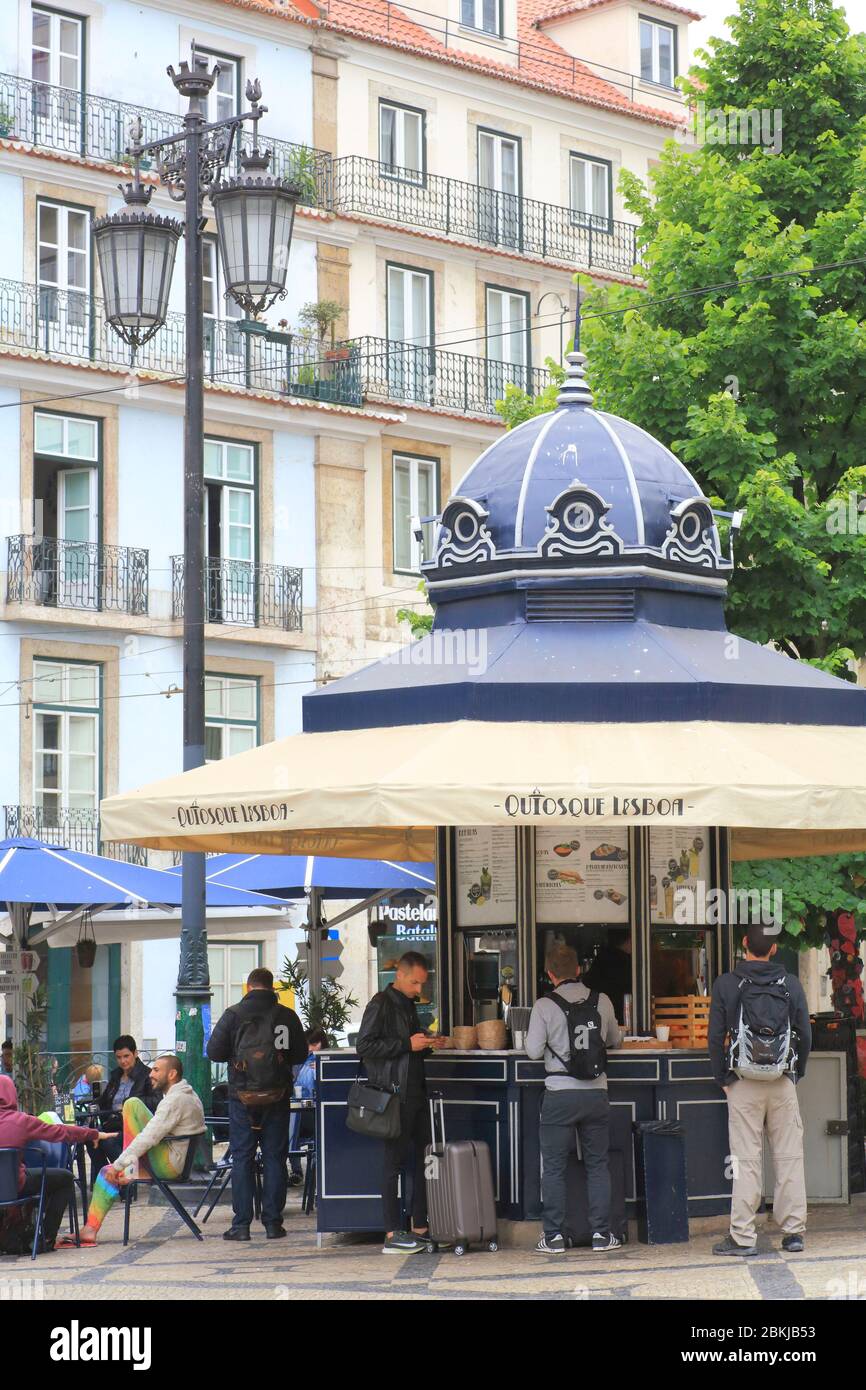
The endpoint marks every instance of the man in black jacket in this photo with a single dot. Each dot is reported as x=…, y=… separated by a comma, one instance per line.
x=129, y=1078
x=265, y=1126
x=752, y=1104
x=391, y=1046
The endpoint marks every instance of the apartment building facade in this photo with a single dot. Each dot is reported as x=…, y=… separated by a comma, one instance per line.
x=457, y=167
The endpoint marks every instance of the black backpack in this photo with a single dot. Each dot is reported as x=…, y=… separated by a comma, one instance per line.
x=763, y=1043
x=587, y=1058
x=266, y=1073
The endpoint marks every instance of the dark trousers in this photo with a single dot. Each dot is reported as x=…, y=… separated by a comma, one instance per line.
x=562, y=1113
x=414, y=1129
x=273, y=1140
x=59, y=1190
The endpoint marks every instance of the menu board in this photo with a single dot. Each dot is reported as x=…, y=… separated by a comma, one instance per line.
x=679, y=866
x=581, y=875
x=486, y=876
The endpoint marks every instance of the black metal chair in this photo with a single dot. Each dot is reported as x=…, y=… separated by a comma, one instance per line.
x=10, y=1162
x=165, y=1187
x=56, y=1155
x=221, y=1178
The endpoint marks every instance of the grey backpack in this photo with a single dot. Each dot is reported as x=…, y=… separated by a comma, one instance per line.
x=763, y=1043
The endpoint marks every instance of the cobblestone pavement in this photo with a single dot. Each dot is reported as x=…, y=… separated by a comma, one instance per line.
x=164, y=1259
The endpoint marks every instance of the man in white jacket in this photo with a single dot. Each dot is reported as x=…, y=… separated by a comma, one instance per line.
x=152, y=1144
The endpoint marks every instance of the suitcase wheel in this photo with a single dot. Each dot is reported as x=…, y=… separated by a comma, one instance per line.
x=432, y=1247
x=459, y=1249
x=493, y=1246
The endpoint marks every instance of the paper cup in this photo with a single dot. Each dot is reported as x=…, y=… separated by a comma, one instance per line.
x=663, y=1032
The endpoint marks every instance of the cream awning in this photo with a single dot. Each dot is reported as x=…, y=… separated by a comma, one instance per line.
x=378, y=793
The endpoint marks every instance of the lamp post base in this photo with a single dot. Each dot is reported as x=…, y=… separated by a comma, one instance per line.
x=190, y=1045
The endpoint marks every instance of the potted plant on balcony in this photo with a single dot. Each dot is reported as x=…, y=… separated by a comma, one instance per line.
x=7, y=121
x=322, y=318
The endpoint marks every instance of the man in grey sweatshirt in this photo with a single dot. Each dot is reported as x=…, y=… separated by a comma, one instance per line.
x=571, y=1104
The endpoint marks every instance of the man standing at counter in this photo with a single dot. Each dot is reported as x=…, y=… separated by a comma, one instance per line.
x=391, y=1045
x=572, y=1028
x=759, y=1042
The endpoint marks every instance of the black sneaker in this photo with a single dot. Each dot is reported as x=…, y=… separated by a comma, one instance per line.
x=551, y=1245
x=237, y=1233
x=729, y=1246
x=296, y=1179
x=403, y=1243
x=605, y=1242
x=276, y=1232
x=794, y=1243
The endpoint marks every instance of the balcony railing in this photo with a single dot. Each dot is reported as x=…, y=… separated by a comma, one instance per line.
x=483, y=215
x=76, y=574
x=71, y=324
x=74, y=122
x=404, y=372
x=244, y=593
x=71, y=828
x=58, y=118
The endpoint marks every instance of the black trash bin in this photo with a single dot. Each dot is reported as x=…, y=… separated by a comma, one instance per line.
x=662, y=1190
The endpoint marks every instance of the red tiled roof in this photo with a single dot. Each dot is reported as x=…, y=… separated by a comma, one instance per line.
x=543, y=64
x=576, y=6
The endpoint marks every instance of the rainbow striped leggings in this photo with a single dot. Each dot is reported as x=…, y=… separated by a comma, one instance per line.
x=156, y=1162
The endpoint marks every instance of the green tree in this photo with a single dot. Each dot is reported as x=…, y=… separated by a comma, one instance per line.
x=31, y=1067
x=760, y=386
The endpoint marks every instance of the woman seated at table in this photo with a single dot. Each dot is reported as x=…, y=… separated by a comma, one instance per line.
x=129, y=1080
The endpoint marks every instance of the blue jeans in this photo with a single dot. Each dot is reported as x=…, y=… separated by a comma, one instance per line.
x=273, y=1140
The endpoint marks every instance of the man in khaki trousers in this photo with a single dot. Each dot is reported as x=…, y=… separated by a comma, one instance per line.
x=756, y=1105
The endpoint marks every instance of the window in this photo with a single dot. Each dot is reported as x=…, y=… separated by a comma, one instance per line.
x=225, y=94
x=415, y=496
x=229, y=964
x=590, y=190
x=507, y=339
x=231, y=712
x=402, y=141
x=66, y=737
x=66, y=506
x=221, y=337
x=658, y=52
x=409, y=321
x=499, y=188
x=63, y=275
x=57, y=66
x=482, y=14
x=230, y=530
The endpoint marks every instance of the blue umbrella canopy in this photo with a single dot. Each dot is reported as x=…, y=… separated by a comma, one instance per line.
x=43, y=876
x=293, y=875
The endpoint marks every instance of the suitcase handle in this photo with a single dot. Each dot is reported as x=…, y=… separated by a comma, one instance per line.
x=436, y=1097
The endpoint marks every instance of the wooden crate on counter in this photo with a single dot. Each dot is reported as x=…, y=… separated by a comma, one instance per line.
x=687, y=1016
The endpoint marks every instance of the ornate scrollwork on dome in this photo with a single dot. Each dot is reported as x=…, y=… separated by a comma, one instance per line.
x=463, y=535
x=577, y=525
x=692, y=538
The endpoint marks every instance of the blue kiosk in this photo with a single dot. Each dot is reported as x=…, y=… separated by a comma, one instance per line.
x=578, y=578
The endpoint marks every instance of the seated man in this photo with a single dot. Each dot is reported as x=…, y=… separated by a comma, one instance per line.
x=152, y=1144
x=17, y=1130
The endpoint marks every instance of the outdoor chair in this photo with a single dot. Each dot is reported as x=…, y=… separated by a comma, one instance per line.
x=307, y=1149
x=165, y=1186
x=221, y=1178
x=10, y=1197
x=56, y=1155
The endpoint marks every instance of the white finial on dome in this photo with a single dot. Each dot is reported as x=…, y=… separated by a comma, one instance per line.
x=575, y=389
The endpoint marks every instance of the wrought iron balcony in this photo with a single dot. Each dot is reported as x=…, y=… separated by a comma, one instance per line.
x=71, y=325
x=76, y=574
x=69, y=828
x=74, y=122
x=483, y=215
x=396, y=371
x=244, y=593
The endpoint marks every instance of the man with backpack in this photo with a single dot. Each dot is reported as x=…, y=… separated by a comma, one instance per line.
x=572, y=1028
x=261, y=1040
x=759, y=1042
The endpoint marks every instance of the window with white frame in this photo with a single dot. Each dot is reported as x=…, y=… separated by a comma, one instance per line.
x=63, y=271
x=485, y=15
x=66, y=737
x=415, y=497
x=57, y=49
x=401, y=141
x=66, y=477
x=230, y=512
x=220, y=311
x=229, y=964
x=224, y=97
x=658, y=52
x=590, y=189
x=231, y=714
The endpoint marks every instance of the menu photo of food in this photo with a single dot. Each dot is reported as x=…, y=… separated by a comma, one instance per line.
x=581, y=876
x=486, y=876
x=679, y=862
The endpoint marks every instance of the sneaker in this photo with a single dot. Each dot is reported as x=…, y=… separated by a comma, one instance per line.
x=729, y=1246
x=794, y=1243
x=551, y=1245
x=276, y=1232
x=296, y=1180
x=237, y=1233
x=403, y=1243
x=605, y=1242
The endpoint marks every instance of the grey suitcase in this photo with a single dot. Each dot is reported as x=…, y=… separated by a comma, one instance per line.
x=461, y=1204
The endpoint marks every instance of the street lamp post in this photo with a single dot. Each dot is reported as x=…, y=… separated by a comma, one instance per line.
x=136, y=249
